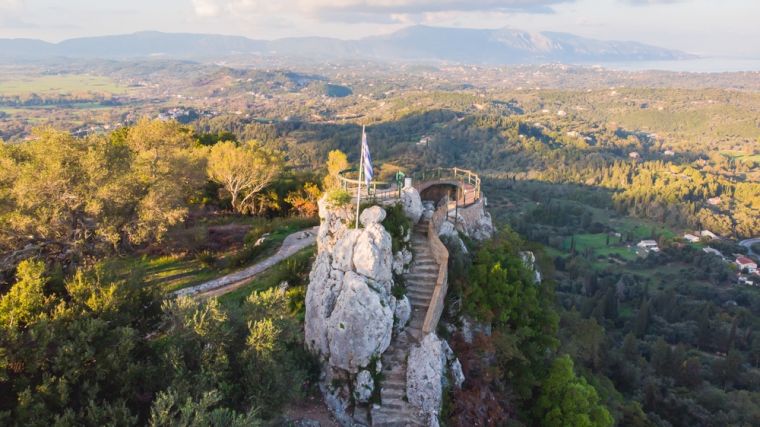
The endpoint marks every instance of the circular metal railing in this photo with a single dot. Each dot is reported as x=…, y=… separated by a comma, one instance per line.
x=383, y=190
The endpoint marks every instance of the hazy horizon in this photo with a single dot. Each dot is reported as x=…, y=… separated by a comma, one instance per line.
x=699, y=27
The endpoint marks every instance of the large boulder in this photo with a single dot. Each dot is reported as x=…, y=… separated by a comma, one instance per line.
x=372, y=215
x=482, y=229
x=325, y=284
x=364, y=385
x=343, y=251
x=412, y=204
x=372, y=256
x=333, y=223
x=402, y=313
x=360, y=326
x=402, y=260
x=424, y=375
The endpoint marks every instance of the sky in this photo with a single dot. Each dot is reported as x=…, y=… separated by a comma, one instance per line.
x=725, y=28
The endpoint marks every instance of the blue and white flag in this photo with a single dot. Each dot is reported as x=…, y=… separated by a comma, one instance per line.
x=366, y=159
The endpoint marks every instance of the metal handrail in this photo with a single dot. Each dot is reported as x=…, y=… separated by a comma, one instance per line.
x=459, y=174
x=381, y=190
x=376, y=190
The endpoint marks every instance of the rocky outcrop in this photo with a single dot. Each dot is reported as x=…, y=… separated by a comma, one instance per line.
x=529, y=260
x=351, y=313
x=412, y=204
x=360, y=326
x=402, y=313
x=364, y=386
x=401, y=261
x=426, y=374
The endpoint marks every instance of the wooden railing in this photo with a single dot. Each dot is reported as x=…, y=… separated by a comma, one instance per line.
x=441, y=256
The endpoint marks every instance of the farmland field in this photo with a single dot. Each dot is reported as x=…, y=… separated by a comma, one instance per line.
x=58, y=84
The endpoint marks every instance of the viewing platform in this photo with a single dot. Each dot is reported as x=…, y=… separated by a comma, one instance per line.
x=462, y=186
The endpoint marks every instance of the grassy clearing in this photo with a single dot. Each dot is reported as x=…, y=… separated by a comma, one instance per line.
x=292, y=270
x=181, y=270
x=170, y=272
x=59, y=84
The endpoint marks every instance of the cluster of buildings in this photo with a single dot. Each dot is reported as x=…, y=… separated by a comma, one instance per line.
x=747, y=269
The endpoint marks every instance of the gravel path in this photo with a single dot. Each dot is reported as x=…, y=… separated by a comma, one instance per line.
x=220, y=286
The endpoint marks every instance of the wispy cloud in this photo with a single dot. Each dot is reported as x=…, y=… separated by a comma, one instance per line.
x=651, y=2
x=367, y=10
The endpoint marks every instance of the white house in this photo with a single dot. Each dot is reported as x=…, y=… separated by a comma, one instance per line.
x=745, y=263
x=649, y=245
x=690, y=237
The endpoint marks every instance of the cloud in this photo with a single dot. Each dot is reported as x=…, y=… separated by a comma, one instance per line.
x=379, y=11
x=206, y=8
x=651, y=2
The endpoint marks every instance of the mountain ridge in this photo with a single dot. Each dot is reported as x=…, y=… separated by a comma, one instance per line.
x=418, y=43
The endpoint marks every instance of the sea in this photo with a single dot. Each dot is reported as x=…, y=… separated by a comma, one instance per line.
x=697, y=65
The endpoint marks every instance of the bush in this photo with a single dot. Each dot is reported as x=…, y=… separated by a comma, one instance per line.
x=338, y=197
x=398, y=225
x=206, y=258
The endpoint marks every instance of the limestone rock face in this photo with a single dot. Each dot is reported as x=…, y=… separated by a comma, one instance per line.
x=412, y=204
x=363, y=386
x=334, y=222
x=401, y=261
x=482, y=229
x=428, y=208
x=471, y=328
x=343, y=252
x=325, y=284
x=424, y=375
x=457, y=375
x=529, y=260
x=350, y=310
x=402, y=313
x=373, y=215
x=360, y=326
x=372, y=253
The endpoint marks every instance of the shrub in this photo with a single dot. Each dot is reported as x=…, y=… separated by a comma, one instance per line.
x=206, y=258
x=338, y=197
x=398, y=225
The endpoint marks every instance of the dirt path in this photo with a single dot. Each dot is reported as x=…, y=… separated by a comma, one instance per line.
x=220, y=286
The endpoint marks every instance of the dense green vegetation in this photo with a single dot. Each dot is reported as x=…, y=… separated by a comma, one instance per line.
x=95, y=232
x=99, y=350
x=95, y=227
x=665, y=338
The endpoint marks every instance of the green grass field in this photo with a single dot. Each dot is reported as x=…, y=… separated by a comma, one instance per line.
x=270, y=278
x=741, y=156
x=59, y=84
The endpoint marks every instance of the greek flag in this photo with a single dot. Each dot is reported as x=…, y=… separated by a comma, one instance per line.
x=366, y=159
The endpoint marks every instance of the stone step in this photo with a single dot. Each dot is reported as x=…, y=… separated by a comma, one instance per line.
x=394, y=382
x=421, y=277
x=393, y=395
x=423, y=282
x=420, y=292
x=427, y=262
x=420, y=301
x=422, y=269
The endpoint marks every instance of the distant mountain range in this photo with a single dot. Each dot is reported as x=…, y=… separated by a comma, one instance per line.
x=417, y=43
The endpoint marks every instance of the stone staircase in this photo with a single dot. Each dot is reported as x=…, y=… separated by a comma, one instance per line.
x=394, y=409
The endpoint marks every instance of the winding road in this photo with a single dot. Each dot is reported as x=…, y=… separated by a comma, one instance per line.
x=222, y=285
x=748, y=244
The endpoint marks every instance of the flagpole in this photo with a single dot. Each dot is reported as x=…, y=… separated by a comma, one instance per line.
x=361, y=169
